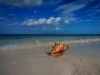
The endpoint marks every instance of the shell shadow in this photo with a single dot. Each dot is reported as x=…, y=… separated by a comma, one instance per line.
x=48, y=53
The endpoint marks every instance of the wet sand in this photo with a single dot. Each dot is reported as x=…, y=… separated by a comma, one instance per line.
x=80, y=59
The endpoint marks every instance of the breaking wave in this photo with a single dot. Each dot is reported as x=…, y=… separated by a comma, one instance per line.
x=82, y=41
x=39, y=43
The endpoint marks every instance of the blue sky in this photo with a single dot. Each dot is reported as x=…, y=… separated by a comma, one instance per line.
x=49, y=16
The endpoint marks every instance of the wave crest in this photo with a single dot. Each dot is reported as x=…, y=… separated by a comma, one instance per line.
x=39, y=43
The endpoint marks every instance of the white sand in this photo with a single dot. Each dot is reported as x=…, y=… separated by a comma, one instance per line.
x=37, y=61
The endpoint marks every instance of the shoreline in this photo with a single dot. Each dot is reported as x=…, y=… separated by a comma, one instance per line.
x=80, y=59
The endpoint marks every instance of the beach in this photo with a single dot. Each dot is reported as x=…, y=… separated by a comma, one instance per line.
x=80, y=59
x=49, y=37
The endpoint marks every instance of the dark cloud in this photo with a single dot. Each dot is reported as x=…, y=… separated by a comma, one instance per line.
x=22, y=3
x=29, y=3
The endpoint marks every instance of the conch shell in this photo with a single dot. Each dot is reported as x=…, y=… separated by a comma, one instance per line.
x=59, y=49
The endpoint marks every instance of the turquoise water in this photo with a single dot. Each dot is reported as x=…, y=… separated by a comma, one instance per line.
x=22, y=41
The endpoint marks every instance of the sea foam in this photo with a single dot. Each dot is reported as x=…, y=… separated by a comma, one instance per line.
x=38, y=43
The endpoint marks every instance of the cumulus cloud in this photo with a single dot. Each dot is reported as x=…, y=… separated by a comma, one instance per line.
x=53, y=20
x=48, y=28
x=58, y=28
x=22, y=3
x=42, y=21
x=66, y=21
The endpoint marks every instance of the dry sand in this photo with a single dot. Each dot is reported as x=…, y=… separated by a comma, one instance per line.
x=37, y=61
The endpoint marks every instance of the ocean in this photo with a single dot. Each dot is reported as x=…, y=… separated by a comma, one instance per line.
x=19, y=41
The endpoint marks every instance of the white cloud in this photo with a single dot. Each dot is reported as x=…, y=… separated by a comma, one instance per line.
x=57, y=19
x=67, y=10
x=66, y=21
x=50, y=20
x=53, y=20
x=70, y=7
x=42, y=21
x=58, y=28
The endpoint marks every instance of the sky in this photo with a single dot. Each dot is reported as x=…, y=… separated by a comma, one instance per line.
x=49, y=16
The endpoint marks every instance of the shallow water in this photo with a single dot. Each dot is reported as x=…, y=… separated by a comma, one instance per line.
x=8, y=42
